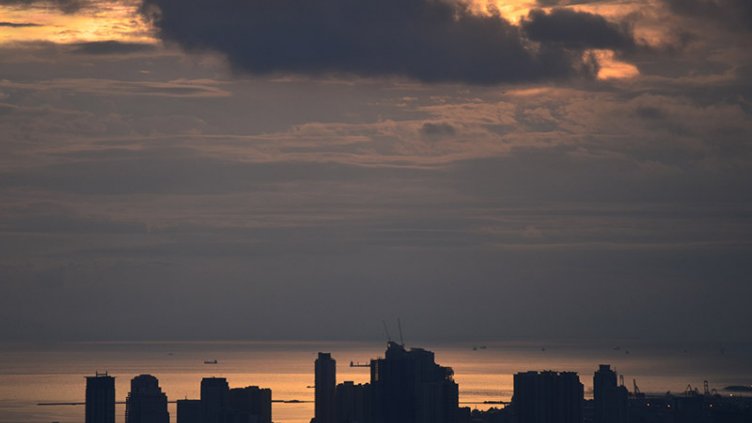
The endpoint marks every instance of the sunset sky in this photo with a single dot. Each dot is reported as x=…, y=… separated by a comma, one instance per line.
x=303, y=169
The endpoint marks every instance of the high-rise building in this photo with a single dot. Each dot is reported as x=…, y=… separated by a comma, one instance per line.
x=610, y=402
x=100, y=398
x=326, y=381
x=548, y=397
x=146, y=403
x=250, y=405
x=189, y=411
x=353, y=403
x=409, y=387
x=214, y=399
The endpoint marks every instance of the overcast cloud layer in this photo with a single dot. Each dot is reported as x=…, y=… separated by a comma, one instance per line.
x=288, y=170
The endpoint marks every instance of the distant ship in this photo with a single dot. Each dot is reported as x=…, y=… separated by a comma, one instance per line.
x=211, y=362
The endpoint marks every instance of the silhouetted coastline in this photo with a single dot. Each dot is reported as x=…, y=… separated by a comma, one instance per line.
x=408, y=386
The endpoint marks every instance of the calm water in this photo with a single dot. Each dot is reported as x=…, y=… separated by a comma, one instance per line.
x=55, y=373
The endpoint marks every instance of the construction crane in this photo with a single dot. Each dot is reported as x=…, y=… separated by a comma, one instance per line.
x=386, y=331
x=399, y=327
x=636, y=388
x=357, y=364
x=691, y=391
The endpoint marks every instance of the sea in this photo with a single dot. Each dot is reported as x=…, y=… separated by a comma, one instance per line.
x=33, y=374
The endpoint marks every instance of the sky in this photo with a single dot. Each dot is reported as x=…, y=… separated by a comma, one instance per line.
x=290, y=169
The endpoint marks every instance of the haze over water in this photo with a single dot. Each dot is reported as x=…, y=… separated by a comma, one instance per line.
x=55, y=373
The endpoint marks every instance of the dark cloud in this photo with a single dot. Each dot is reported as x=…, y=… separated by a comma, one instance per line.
x=578, y=30
x=67, y=6
x=650, y=112
x=437, y=130
x=733, y=14
x=110, y=47
x=423, y=39
x=17, y=24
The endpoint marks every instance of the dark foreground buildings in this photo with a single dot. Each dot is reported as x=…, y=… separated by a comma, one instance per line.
x=548, y=397
x=189, y=411
x=146, y=403
x=250, y=405
x=215, y=394
x=220, y=404
x=353, y=403
x=610, y=404
x=407, y=386
x=610, y=401
x=325, y=370
x=100, y=398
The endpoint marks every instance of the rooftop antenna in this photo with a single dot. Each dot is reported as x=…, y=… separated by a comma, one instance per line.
x=386, y=331
x=399, y=326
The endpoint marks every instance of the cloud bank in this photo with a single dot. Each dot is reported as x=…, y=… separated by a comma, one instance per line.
x=577, y=30
x=428, y=40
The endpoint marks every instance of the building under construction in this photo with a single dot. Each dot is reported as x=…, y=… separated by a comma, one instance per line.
x=407, y=386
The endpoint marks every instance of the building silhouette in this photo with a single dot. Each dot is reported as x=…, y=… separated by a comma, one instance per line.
x=146, y=403
x=215, y=394
x=326, y=381
x=220, y=404
x=249, y=405
x=353, y=403
x=100, y=398
x=610, y=402
x=189, y=411
x=407, y=386
x=547, y=397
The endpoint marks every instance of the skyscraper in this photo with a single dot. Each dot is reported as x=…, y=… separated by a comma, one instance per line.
x=250, y=405
x=547, y=397
x=189, y=411
x=353, y=403
x=326, y=381
x=214, y=399
x=146, y=403
x=409, y=387
x=100, y=398
x=610, y=402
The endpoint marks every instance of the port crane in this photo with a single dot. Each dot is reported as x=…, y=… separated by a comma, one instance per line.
x=636, y=389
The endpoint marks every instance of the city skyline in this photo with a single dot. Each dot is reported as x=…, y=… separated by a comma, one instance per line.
x=408, y=386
